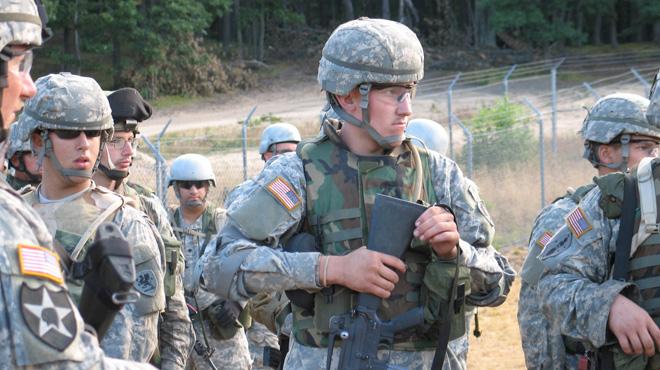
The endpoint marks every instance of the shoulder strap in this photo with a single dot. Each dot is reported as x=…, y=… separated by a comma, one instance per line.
x=626, y=229
x=208, y=225
x=94, y=225
x=647, y=203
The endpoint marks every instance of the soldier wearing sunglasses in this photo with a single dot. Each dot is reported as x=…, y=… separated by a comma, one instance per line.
x=218, y=323
x=69, y=123
x=128, y=110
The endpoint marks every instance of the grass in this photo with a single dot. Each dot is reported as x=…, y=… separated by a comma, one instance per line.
x=173, y=101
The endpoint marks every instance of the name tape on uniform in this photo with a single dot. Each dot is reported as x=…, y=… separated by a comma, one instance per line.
x=39, y=261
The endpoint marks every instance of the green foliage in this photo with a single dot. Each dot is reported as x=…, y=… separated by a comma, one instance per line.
x=536, y=22
x=503, y=128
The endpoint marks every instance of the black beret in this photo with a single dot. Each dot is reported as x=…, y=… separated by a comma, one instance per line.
x=127, y=104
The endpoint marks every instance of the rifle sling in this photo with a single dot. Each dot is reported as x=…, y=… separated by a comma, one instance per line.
x=445, y=327
x=626, y=230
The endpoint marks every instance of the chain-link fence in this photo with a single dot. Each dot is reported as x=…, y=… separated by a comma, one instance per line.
x=522, y=157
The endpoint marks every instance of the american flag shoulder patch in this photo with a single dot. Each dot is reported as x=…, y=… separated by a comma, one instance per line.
x=577, y=222
x=284, y=193
x=39, y=261
x=543, y=240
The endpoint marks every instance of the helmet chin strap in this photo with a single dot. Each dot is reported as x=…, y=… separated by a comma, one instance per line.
x=621, y=166
x=112, y=172
x=386, y=142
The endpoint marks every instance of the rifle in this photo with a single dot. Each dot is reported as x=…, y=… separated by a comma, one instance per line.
x=202, y=349
x=362, y=331
x=109, y=274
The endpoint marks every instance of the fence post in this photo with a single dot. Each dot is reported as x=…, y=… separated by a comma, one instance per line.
x=159, y=164
x=246, y=122
x=553, y=82
x=541, y=149
x=646, y=84
x=450, y=91
x=591, y=90
x=506, y=80
x=468, y=135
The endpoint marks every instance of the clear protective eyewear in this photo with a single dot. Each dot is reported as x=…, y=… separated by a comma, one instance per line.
x=395, y=94
x=24, y=67
x=119, y=143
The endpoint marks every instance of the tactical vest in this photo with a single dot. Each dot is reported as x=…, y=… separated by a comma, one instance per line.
x=208, y=225
x=72, y=220
x=644, y=262
x=341, y=189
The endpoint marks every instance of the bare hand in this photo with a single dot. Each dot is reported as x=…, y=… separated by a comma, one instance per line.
x=365, y=271
x=437, y=226
x=635, y=330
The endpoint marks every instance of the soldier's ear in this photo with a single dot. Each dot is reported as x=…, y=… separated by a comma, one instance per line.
x=350, y=103
x=607, y=154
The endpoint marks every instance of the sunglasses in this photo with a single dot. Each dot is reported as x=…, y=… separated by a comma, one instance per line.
x=72, y=134
x=189, y=184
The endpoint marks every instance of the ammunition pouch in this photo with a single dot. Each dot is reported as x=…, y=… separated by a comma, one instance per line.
x=174, y=262
x=437, y=287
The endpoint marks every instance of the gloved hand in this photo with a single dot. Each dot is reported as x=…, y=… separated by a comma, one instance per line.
x=227, y=313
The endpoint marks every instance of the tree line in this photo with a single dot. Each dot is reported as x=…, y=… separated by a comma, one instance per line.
x=185, y=47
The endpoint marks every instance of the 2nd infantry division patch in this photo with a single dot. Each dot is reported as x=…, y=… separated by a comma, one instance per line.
x=284, y=193
x=577, y=222
x=543, y=240
x=49, y=315
x=39, y=261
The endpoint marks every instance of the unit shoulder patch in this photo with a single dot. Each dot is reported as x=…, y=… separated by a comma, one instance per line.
x=284, y=193
x=49, y=315
x=577, y=222
x=543, y=240
x=39, y=261
x=146, y=282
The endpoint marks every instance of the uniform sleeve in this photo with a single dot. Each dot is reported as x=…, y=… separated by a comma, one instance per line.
x=158, y=214
x=576, y=295
x=491, y=273
x=248, y=261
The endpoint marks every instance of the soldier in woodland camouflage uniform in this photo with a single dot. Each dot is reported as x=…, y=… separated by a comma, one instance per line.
x=23, y=169
x=369, y=70
x=69, y=122
x=27, y=340
x=219, y=324
x=617, y=137
x=176, y=335
x=578, y=295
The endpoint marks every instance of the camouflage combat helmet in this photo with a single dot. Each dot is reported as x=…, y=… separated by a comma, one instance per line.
x=20, y=24
x=67, y=102
x=278, y=133
x=615, y=119
x=367, y=51
x=653, y=113
x=16, y=144
x=428, y=134
x=128, y=109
